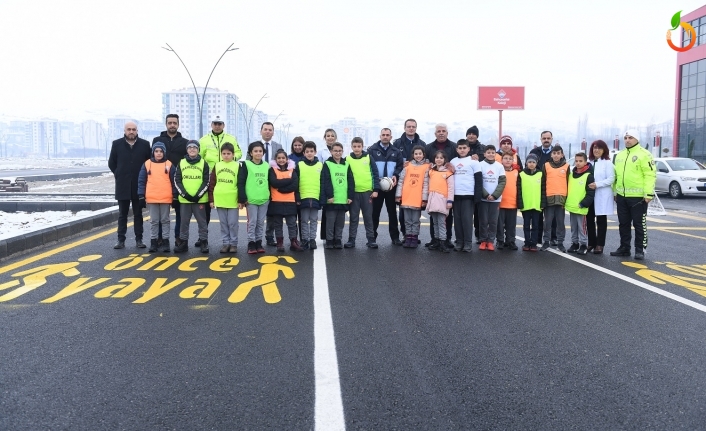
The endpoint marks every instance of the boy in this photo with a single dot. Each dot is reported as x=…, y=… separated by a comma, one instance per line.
x=338, y=189
x=579, y=198
x=223, y=195
x=191, y=180
x=155, y=186
x=309, y=194
x=507, y=217
x=367, y=185
x=468, y=186
x=556, y=176
x=493, y=186
x=531, y=200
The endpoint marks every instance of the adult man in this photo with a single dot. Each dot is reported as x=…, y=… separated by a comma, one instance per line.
x=544, y=154
x=210, y=151
x=389, y=162
x=267, y=130
x=634, y=188
x=127, y=155
x=405, y=144
x=441, y=143
x=477, y=149
x=176, y=150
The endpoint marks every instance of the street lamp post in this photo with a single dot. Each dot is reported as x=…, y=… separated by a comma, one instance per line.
x=200, y=100
x=248, y=121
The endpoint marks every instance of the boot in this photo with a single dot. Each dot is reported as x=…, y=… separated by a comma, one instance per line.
x=435, y=244
x=406, y=243
x=444, y=247
x=259, y=247
x=280, y=244
x=181, y=246
x=271, y=241
x=252, y=247
x=371, y=242
x=225, y=248
x=350, y=243
x=294, y=244
x=204, y=246
x=165, y=246
x=329, y=244
x=414, y=241
x=337, y=244
x=312, y=244
x=153, y=246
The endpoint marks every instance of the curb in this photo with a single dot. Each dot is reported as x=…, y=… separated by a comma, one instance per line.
x=54, y=177
x=39, y=238
x=75, y=206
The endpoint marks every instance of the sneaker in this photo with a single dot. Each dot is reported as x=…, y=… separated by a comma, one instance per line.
x=483, y=245
x=259, y=247
x=252, y=248
x=435, y=245
x=620, y=252
x=582, y=250
x=271, y=240
x=489, y=246
x=533, y=248
x=511, y=245
x=561, y=248
x=639, y=255
x=140, y=244
x=458, y=246
x=545, y=246
x=350, y=243
x=449, y=244
x=153, y=246
x=233, y=249
x=181, y=247
x=305, y=245
x=225, y=248
x=204, y=246
x=312, y=244
x=553, y=243
x=499, y=245
x=118, y=245
x=444, y=248
x=467, y=248
x=338, y=244
x=371, y=243
x=525, y=247
x=396, y=241
x=165, y=246
x=573, y=249
x=329, y=244
x=197, y=243
x=429, y=244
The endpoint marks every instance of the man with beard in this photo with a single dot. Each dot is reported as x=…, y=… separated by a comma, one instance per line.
x=441, y=143
x=388, y=160
x=544, y=154
x=405, y=143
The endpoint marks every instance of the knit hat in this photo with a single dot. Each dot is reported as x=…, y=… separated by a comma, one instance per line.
x=506, y=138
x=193, y=143
x=532, y=157
x=161, y=146
x=633, y=133
x=473, y=130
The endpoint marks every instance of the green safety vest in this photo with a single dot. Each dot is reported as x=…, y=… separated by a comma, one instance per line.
x=339, y=179
x=575, y=194
x=210, y=148
x=191, y=179
x=531, y=191
x=635, y=173
x=310, y=180
x=225, y=191
x=362, y=176
x=257, y=187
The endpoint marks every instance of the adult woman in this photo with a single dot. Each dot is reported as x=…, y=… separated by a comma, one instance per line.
x=324, y=154
x=297, y=149
x=604, y=175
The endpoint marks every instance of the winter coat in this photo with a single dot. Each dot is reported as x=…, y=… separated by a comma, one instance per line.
x=125, y=162
x=541, y=157
x=604, y=174
x=449, y=149
x=176, y=146
x=285, y=185
x=478, y=149
x=436, y=202
x=156, y=169
x=405, y=145
x=391, y=159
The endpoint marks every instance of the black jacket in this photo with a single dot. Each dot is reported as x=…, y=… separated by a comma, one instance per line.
x=449, y=149
x=205, y=181
x=176, y=146
x=404, y=145
x=542, y=158
x=327, y=187
x=392, y=159
x=284, y=185
x=125, y=162
x=543, y=193
x=478, y=149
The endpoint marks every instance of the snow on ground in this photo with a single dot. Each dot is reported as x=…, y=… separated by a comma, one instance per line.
x=14, y=164
x=102, y=184
x=13, y=224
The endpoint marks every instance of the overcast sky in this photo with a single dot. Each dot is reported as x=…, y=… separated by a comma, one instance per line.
x=320, y=61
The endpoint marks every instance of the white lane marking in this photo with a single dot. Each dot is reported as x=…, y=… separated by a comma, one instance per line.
x=637, y=283
x=328, y=411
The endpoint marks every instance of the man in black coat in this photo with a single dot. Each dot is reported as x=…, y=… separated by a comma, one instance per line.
x=442, y=143
x=127, y=155
x=176, y=150
x=544, y=154
x=477, y=149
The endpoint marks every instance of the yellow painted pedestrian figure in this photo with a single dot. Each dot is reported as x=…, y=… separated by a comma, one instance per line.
x=268, y=275
x=35, y=277
x=694, y=284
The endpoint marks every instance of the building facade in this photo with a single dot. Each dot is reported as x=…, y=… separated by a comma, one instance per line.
x=690, y=100
x=184, y=103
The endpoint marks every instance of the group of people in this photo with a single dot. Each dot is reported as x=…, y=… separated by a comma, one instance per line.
x=465, y=187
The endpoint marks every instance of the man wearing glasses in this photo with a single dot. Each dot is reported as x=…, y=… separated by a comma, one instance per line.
x=634, y=188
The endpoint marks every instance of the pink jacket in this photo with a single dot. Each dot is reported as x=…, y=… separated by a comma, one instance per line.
x=436, y=202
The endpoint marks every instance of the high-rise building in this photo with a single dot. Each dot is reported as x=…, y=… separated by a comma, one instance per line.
x=184, y=103
x=44, y=137
x=116, y=127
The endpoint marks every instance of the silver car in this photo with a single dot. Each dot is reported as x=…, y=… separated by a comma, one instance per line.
x=680, y=176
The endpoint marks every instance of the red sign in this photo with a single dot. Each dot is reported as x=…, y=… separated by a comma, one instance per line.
x=501, y=98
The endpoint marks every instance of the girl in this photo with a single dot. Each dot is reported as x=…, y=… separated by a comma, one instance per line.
x=440, y=199
x=254, y=194
x=283, y=183
x=412, y=195
x=604, y=176
x=223, y=195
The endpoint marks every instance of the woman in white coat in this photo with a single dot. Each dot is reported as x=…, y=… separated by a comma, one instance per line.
x=602, y=206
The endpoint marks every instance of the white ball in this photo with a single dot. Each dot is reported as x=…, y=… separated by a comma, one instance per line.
x=385, y=184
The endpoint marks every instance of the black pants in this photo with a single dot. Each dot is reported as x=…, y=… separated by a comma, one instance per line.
x=531, y=226
x=592, y=221
x=124, y=208
x=388, y=199
x=540, y=231
x=402, y=226
x=449, y=226
x=476, y=222
x=176, y=205
x=632, y=210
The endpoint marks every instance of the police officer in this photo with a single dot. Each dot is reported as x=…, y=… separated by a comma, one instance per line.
x=634, y=187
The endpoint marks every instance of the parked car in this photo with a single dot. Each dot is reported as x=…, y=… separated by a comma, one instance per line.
x=680, y=176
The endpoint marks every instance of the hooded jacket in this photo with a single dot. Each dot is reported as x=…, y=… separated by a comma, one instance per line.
x=449, y=149
x=160, y=177
x=308, y=202
x=327, y=190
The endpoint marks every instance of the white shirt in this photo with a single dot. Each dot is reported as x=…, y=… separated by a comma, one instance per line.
x=465, y=168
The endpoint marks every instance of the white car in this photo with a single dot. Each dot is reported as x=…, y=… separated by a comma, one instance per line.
x=680, y=176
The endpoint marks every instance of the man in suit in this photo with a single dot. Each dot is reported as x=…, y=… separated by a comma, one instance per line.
x=127, y=155
x=267, y=130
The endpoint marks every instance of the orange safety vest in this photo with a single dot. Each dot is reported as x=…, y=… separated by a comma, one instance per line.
x=499, y=158
x=437, y=182
x=557, y=180
x=275, y=195
x=413, y=185
x=509, y=197
x=158, y=189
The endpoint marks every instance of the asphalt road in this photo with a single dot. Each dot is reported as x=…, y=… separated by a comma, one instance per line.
x=423, y=340
x=29, y=172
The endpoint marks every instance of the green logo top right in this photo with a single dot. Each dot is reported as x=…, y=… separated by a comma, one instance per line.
x=676, y=23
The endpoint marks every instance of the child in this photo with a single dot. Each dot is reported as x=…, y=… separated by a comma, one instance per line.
x=507, y=217
x=440, y=199
x=254, y=194
x=308, y=171
x=578, y=198
x=493, y=186
x=155, y=187
x=283, y=183
x=338, y=187
x=412, y=193
x=556, y=176
x=223, y=195
x=367, y=185
x=531, y=200
x=468, y=183
x=191, y=180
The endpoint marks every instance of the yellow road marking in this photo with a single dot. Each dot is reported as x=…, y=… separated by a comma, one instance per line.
x=681, y=233
x=656, y=220
x=688, y=217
